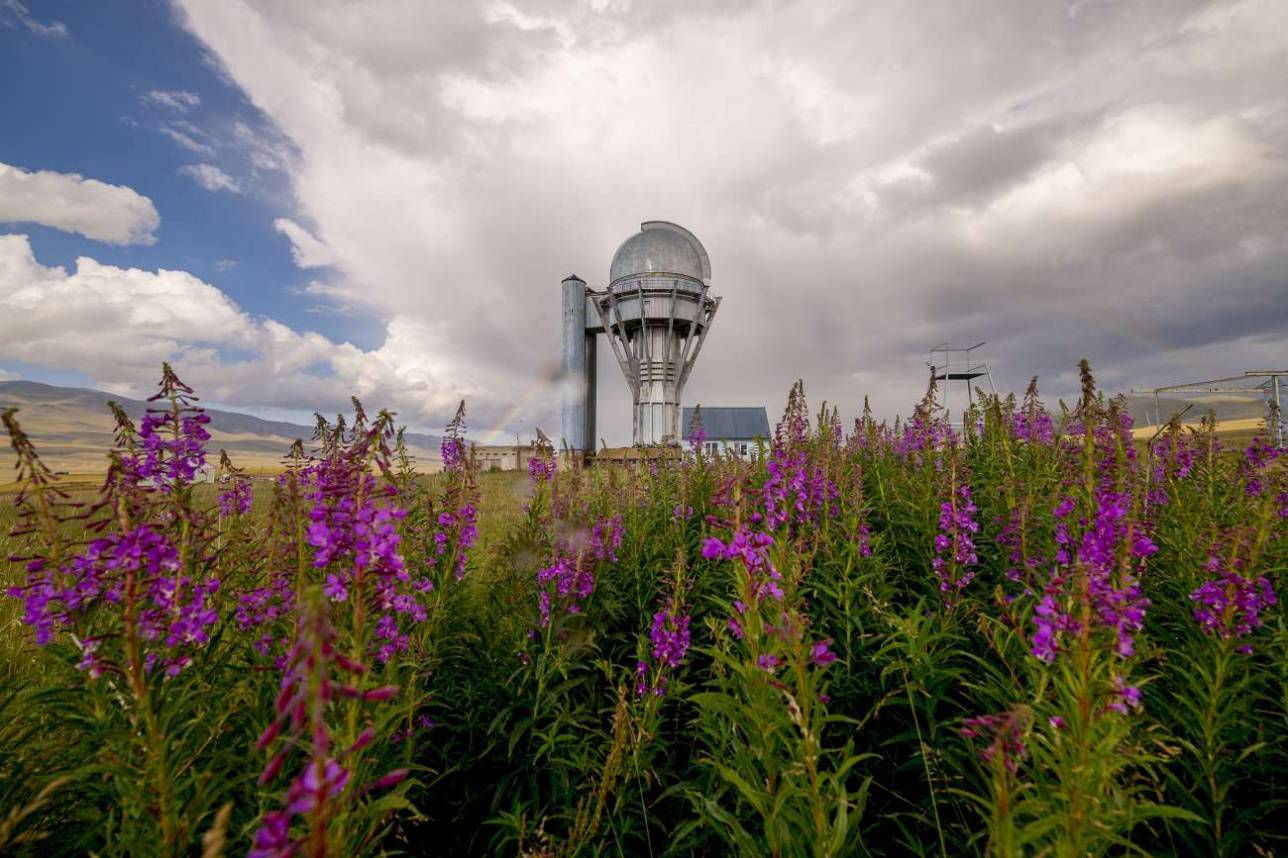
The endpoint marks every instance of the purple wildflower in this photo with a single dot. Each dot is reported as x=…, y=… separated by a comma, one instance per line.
x=1005, y=736
x=1033, y=426
x=273, y=839
x=173, y=447
x=316, y=672
x=821, y=654
x=570, y=580
x=670, y=637
x=697, y=434
x=542, y=467
x=1230, y=606
x=752, y=549
x=173, y=613
x=354, y=534
x=955, y=556
x=1126, y=697
x=236, y=500
x=334, y=588
x=452, y=453
x=1014, y=537
x=1257, y=459
x=321, y=782
x=1114, y=594
x=606, y=538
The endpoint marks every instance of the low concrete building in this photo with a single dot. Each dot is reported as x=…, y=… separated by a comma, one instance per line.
x=503, y=457
x=732, y=431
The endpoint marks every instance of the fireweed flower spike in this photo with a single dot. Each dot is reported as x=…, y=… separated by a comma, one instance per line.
x=669, y=637
x=136, y=576
x=541, y=469
x=234, y=493
x=573, y=582
x=568, y=582
x=171, y=442
x=797, y=491
x=606, y=538
x=752, y=549
x=1125, y=696
x=542, y=465
x=236, y=500
x=955, y=557
x=1257, y=459
x=1114, y=595
x=353, y=531
x=454, y=524
x=697, y=435
x=315, y=675
x=1032, y=422
x=1231, y=605
x=1004, y=737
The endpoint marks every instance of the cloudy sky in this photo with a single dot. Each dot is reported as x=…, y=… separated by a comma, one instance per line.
x=302, y=199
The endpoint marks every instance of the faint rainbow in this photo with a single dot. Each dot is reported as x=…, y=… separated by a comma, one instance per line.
x=497, y=429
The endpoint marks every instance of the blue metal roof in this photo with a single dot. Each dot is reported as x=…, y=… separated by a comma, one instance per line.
x=729, y=424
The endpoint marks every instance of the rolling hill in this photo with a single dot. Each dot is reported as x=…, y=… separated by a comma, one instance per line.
x=72, y=429
x=1226, y=407
x=1239, y=417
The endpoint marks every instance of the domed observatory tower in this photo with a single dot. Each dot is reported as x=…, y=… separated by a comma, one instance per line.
x=656, y=313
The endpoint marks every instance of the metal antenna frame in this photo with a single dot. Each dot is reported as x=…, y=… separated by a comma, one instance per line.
x=968, y=372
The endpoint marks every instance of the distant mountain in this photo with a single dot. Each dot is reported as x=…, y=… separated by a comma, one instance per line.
x=72, y=429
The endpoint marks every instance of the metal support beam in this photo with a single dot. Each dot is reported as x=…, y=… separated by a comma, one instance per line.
x=592, y=397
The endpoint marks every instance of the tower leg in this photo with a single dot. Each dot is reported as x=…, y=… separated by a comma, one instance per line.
x=591, y=394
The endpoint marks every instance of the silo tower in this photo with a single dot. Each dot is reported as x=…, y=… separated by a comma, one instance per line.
x=656, y=312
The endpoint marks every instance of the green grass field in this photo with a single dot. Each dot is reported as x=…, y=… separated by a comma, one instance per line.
x=1030, y=639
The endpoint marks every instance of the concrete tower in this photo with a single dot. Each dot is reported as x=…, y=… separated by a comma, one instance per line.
x=577, y=419
x=656, y=313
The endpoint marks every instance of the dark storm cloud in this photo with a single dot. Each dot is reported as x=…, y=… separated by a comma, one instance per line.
x=981, y=163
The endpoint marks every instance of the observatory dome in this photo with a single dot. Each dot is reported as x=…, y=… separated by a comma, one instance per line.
x=660, y=248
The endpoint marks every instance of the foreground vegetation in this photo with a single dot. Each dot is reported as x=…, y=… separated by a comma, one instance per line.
x=1024, y=636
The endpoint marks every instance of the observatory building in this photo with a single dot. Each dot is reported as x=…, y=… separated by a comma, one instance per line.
x=655, y=312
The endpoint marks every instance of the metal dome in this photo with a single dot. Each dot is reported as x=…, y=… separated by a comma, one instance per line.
x=661, y=247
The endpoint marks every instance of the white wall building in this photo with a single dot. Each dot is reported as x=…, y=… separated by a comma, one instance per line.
x=732, y=431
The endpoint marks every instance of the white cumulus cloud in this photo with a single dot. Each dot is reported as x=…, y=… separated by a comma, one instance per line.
x=113, y=214
x=118, y=324
x=309, y=251
x=210, y=177
x=186, y=136
x=15, y=10
x=180, y=100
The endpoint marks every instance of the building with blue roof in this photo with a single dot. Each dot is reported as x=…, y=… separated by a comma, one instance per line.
x=729, y=430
